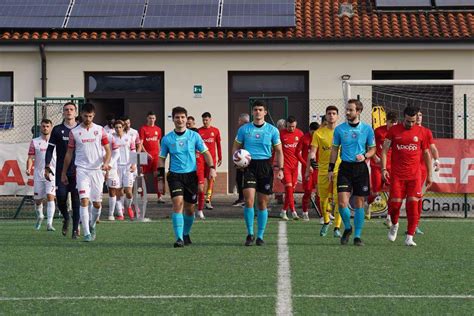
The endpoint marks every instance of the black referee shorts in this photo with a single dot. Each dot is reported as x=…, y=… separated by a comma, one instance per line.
x=353, y=177
x=185, y=184
x=259, y=175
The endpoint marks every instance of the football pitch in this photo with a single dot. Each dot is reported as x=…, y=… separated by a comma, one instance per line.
x=132, y=269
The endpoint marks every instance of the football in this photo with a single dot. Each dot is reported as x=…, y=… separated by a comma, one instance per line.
x=242, y=158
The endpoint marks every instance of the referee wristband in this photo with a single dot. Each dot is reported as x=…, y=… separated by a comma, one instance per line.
x=332, y=165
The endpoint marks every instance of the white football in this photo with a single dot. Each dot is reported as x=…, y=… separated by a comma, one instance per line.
x=242, y=158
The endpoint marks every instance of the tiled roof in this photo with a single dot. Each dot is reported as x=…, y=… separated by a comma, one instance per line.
x=316, y=20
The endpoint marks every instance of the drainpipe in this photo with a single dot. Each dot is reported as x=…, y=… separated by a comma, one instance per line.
x=43, y=71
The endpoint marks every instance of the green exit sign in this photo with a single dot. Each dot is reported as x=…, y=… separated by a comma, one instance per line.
x=197, y=90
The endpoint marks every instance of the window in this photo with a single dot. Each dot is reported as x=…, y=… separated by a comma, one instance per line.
x=128, y=83
x=254, y=82
x=6, y=95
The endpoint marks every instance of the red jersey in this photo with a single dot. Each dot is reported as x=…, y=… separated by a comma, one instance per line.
x=212, y=138
x=289, y=142
x=303, y=148
x=151, y=136
x=380, y=136
x=407, y=147
x=429, y=141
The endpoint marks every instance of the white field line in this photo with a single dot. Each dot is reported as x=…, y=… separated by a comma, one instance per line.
x=229, y=296
x=283, y=303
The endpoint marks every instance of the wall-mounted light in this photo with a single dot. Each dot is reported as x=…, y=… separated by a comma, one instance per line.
x=345, y=77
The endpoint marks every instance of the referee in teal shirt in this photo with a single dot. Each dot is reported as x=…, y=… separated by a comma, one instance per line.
x=357, y=143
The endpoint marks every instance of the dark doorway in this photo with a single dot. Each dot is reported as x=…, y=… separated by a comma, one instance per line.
x=294, y=85
x=132, y=94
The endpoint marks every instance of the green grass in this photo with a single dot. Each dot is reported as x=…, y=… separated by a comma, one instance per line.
x=137, y=259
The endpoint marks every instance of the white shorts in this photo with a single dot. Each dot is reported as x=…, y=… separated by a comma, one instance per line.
x=42, y=187
x=113, y=179
x=120, y=178
x=90, y=184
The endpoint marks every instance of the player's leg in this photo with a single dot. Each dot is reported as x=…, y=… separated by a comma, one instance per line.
x=413, y=197
x=288, y=183
x=75, y=205
x=424, y=175
x=210, y=189
x=38, y=212
x=61, y=197
x=97, y=182
x=113, y=187
x=323, y=191
x=201, y=179
x=264, y=190
x=190, y=200
x=337, y=216
x=361, y=190
x=50, y=187
x=238, y=181
x=308, y=185
x=176, y=189
x=154, y=170
x=126, y=183
x=397, y=194
x=249, y=191
x=344, y=189
x=294, y=182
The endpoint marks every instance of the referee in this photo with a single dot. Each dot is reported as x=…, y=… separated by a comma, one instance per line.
x=357, y=143
x=181, y=144
x=258, y=138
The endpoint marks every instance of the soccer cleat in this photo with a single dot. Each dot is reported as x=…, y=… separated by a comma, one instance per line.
x=409, y=241
x=93, y=232
x=238, y=203
x=324, y=230
x=75, y=234
x=130, y=213
x=39, y=220
x=283, y=215
x=160, y=200
x=294, y=216
x=337, y=233
x=259, y=242
x=144, y=220
x=358, y=242
x=305, y=216
x=209, y=205
x=65, y=227
x=388, y=222
x=345, y=236
x=50, y=228
x=418, y=231
x=392, y=233
x=88, y=238
x=120, y=218
x=179, y=243
x=111, y=218
x=200, y=215
x=249, y=240
x=321, y=220
x=187, y=240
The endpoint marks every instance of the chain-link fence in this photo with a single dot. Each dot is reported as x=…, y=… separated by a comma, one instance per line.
x=19, y=123
x=448, y=111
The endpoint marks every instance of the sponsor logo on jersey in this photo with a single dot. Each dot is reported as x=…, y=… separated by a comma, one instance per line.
x=410, y=147
x=297, y=138
x=212, y=133
x=208, y=140
x=151, y=139
x=257, y=135
x=290, y=145
x=96, y=133
x=88, y=140
x=415, y=139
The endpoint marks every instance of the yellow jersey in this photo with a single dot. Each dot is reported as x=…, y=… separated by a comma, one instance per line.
x=322, y=139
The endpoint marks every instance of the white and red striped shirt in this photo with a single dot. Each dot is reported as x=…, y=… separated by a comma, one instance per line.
x=125, y=146
x=88, y=143
x=38, y=147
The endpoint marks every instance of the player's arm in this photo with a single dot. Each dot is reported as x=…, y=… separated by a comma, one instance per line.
x=67, y=162
x=311, y=163
x=332, y=161
x=280, y=160
x=427, y=160
x=107, y=156
x=385, y=148
x=435, y=155
x=219, y=149
x=30, y=159
x=371, y=152
x=298, y=151
x=49, y=155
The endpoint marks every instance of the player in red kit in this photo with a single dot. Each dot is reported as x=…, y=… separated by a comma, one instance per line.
x=302, y=150
x=290, y=138
x=408, y=144
x=376, y=181
x=424, y=172
x=150, y=134
x=212, y=138
x=200, y=162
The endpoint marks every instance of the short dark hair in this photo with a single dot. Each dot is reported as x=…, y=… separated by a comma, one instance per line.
x=392, y=117
x=291, y=119
x=70, y=103
x=357, y=103
x=46, y=121
x=178, y=110
x=313, y=126
x=124, y=118
x=206, y=114
x=119, y=122
x=411, y=110
x=88, y=108
x=260, y=103
x=191, y=118
x=331, y=108
x=151, y=113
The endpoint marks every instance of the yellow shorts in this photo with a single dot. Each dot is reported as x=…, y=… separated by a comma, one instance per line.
x=323, y=186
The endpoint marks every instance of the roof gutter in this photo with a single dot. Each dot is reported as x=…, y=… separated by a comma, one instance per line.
x=43, y=70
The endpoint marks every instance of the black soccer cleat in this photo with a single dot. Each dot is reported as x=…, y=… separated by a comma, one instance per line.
x=75, y=234
x=345, y=236
x=187, y=240
x=249, y=241
x=260, y=242
x=358, y=242
x=179, y=243
x=65, y=227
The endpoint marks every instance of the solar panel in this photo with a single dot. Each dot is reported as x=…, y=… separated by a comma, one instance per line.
x=33, y=2
x=266, y=13
x=107, y=10
x=34, y=10
x=31, y=22
x=458, y=4
x=33, y=14
x=402, y=4
x=125, y=22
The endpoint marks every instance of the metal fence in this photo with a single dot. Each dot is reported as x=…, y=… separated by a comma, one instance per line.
x=19, y=123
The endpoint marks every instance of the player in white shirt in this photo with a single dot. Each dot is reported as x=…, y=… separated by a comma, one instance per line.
x=122, y=170
x=89, y=142
x=109, y=127
x=43, y=188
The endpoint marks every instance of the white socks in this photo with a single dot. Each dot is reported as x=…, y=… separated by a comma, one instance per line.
x=112, y=202
x=50, y=208
x=84, y=212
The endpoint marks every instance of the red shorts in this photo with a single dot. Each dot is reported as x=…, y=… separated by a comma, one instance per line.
x=310, y=184
x=290, y=176
x=400, y=189
x=200, y=171
x=152, y=165
x=376, y=180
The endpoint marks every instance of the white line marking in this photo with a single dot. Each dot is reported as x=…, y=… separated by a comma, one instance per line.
x=228, y=296
x=283, y=304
